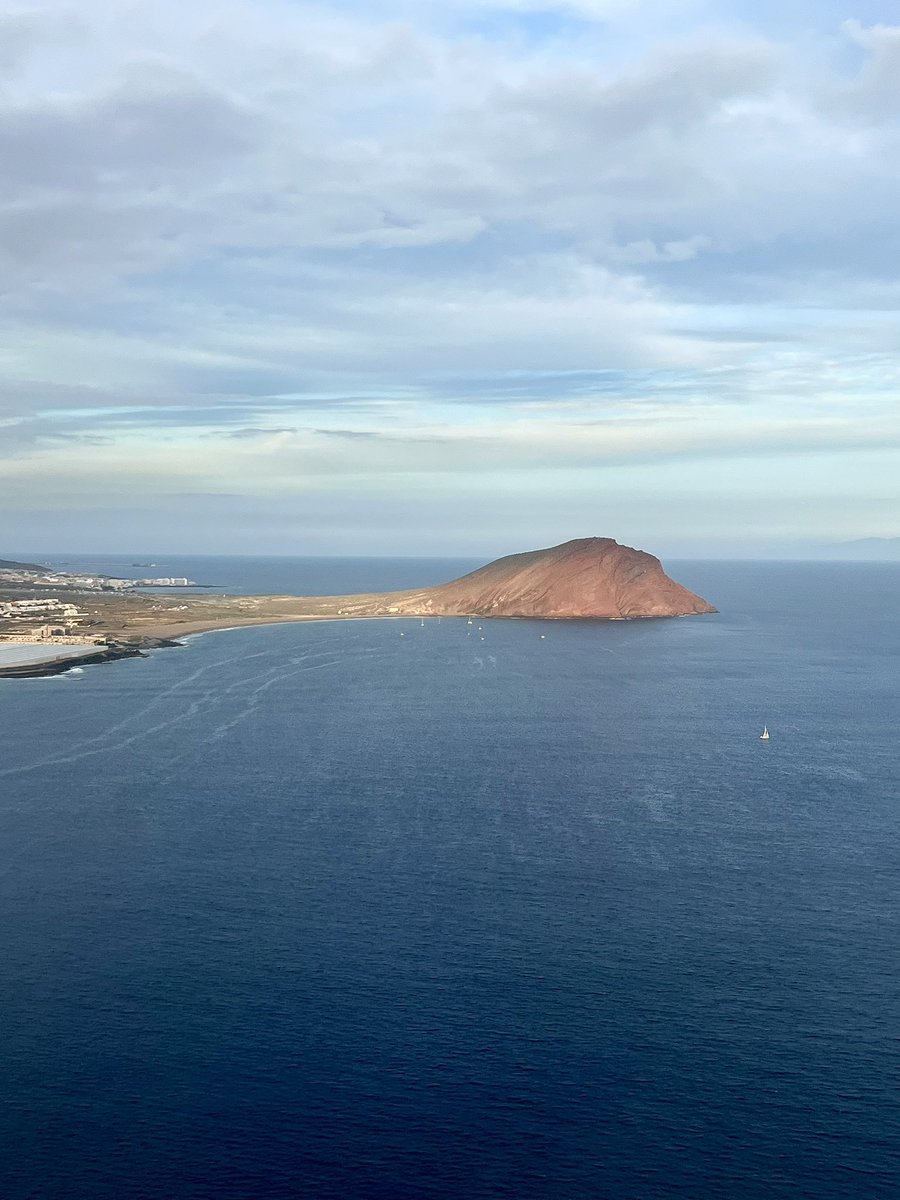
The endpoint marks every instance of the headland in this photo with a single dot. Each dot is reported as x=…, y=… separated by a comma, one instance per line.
x=588, y=578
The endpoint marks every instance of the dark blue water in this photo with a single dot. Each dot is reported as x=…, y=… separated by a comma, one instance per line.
x=324, y=911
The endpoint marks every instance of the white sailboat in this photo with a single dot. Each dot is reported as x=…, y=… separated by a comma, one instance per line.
x=764, y=736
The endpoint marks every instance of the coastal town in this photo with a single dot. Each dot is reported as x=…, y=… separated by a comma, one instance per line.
x=33, y=575
x=42, y=620
x=42, y=608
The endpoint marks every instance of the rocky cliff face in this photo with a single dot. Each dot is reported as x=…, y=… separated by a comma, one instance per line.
x=588, y=577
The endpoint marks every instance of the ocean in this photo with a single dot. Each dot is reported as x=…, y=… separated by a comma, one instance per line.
x=520, y=910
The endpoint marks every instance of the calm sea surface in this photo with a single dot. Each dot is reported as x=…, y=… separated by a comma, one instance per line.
x=326, y=911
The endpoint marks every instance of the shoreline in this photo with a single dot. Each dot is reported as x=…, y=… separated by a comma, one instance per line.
x=43, y=668
x=168, y=635
x=583, y=579
x=161, y=637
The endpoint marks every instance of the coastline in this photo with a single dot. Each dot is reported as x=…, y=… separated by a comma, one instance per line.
x=42, y=668
x=175, y=630
x=168, y=635
x=588, y=578
x=164, y=636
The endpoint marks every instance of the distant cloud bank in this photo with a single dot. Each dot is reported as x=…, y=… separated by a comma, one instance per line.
x=371, y=275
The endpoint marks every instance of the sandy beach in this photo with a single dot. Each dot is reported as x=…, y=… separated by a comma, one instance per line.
x=175, y=630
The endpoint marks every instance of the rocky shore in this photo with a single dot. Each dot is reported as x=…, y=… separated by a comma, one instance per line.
x=110, y=653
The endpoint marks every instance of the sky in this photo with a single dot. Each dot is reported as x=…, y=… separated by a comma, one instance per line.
x=448, y=277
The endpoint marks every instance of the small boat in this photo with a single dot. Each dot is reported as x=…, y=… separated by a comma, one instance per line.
x=764, y=736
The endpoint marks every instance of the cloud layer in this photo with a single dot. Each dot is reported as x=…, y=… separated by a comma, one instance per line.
x=311, y=256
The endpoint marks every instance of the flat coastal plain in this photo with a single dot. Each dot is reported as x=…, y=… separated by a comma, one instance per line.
x=126, y=618
x=119, y=626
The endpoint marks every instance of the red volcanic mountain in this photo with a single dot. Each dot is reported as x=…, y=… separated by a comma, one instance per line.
x=588, y=577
